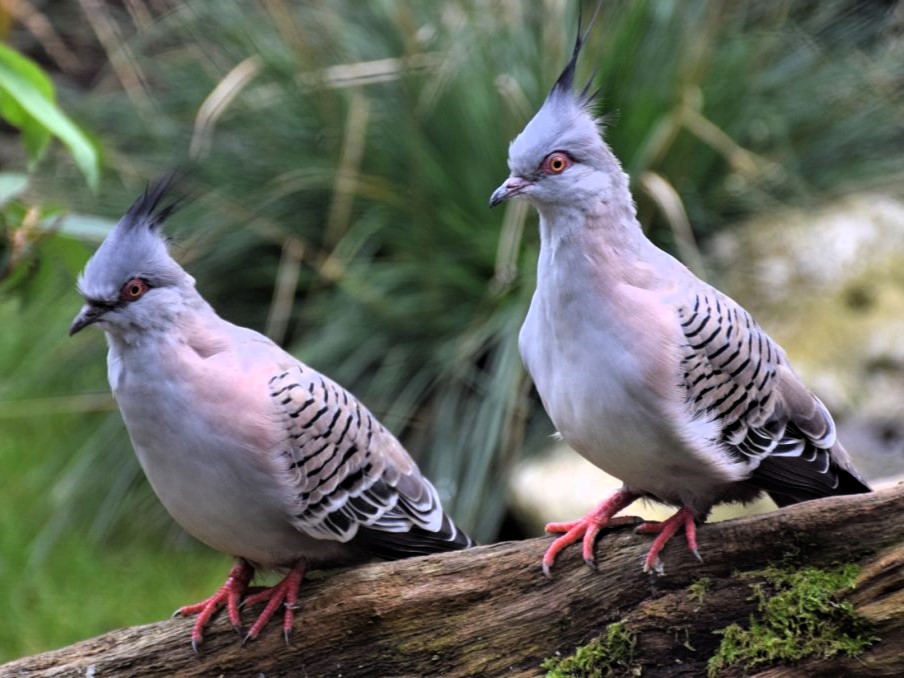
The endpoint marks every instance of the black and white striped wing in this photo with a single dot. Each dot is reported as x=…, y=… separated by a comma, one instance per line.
x=735, y=376
x=351, y=479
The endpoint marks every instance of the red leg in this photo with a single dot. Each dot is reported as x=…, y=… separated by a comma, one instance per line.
x=229, y=594
x=587, y=528
x=285, y=592
x=665, y=531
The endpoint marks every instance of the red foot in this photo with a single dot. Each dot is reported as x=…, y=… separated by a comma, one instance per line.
x=588, y=527
x=229, y=594
x=286, y=592
x=665, y=531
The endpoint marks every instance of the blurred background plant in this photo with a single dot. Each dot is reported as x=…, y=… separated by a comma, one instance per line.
x=339, y=157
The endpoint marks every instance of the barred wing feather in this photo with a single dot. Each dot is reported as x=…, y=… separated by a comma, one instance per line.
x=352, y=481
x=735, y=375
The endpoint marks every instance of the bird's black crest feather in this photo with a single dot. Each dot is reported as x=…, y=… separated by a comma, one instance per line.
x=148, y=210
x=564, y=85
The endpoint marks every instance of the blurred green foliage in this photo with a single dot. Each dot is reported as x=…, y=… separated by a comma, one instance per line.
x=28, y=102
x=339, y=158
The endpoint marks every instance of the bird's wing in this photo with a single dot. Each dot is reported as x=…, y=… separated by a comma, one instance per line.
x=350, y=478
x=737, y=377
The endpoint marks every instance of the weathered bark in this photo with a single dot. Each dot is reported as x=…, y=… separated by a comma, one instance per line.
x=489, y=611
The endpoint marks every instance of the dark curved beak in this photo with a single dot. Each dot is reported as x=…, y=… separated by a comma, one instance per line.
x=89, y=315
x=512, y=187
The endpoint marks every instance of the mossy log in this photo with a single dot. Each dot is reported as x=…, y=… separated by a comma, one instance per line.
x=490, y=611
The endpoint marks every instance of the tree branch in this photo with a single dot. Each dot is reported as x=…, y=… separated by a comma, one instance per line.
x=489, y=611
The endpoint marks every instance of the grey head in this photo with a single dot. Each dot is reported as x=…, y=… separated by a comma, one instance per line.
x=560, y=157
x=131, y=282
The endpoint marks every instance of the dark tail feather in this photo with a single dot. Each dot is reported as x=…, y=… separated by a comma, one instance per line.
x=415, y=542
x=790, y=480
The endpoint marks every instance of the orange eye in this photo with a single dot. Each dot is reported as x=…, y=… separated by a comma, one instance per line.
x=133, y=290
x=556, y=163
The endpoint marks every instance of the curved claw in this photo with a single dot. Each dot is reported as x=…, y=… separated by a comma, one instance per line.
x=285, y=594
x=664, y=531
x=547, y=572
x=657, y=567
x=587, y=529
x=228, y=594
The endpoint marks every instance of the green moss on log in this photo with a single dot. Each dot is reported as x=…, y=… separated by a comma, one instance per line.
x=609, y=655
x=698, y=590
x=799, y=615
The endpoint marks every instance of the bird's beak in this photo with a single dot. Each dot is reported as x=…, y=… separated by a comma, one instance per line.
x=510, y=188
x=89, y=315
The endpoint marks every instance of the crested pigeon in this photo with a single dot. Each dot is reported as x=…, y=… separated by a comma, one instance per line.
x=650, y=373
x=251, y=451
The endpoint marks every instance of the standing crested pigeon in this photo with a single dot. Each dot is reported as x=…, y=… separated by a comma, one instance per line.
x=651, y=374
x=251, y=451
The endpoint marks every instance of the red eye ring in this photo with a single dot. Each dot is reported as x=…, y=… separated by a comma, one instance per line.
x=133, y=290
x=556, y=162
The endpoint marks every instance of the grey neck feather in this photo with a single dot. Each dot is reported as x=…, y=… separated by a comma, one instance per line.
x=607, y=220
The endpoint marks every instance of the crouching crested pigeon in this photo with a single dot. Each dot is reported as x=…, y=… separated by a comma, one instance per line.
x=651, y=374
x=251, y=451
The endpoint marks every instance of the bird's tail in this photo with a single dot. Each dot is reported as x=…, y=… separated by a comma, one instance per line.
x=415, y=542
x=812, y=474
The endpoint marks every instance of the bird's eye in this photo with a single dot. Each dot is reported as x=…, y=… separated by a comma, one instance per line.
x=133, y=290
x=556, y=163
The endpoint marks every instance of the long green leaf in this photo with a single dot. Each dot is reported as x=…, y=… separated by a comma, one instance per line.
x=27, y=98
